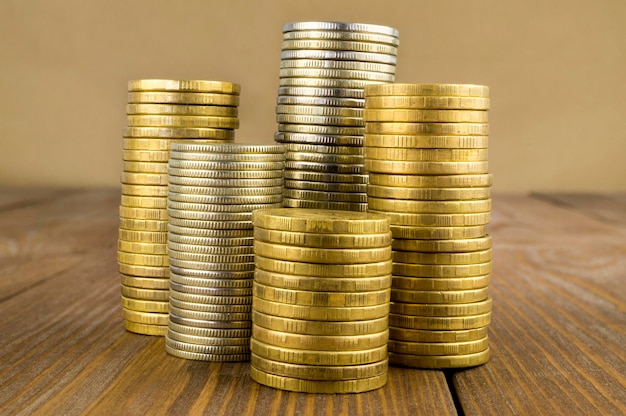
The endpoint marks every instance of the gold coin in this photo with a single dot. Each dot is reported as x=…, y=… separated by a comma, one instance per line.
x=425, y=335
x=144, y=190
x=298, y=326
x=322, y=313
x=318, y=139
x=184, y=85
x=320, y=342
x=145, y=305
x=397, y=115
x=224, y=165
x=335, y=73
x=181, y=147
x=322, y=240
x=438, y=348
x=304, y=297
x=182, y=121
x=144, y=226
x=318, y=386
x=180, y=133
x=326, y=83
x=145, y=329
x=443, y=246
x=198, y=356
x=146, y=318
x=426, y=155
x=439, y=296
x=151, y=156
x=442, y=258
x=441, y=361
x=324, y=158
x=311, y=221
x=438, y=233
x=186, y=110
x=444, y=283
x=210, y=249
x=341, y=36
x=461, y=90
x=193, y=98
x=438, y=270
x=141, y=248
x=342, y=45
x=341, y=65
x=427, y=102
x=322, y=120
x=322, y=129
x=425, y=168
x=306, y=194
x=143, y=271
x=202, y=340
x=225, y=190
x=325, y=205
x=143, y=213
x=317, y=110
x=142, y=236
x=427, y=142
x=226, y=174
x=322, y=373
x=429, y=181
x=323, y=270
x=463, y=309
x=211, y=332
x=145, y=282
x=326, y=186
x=420, y=129
x=144, y=178
x=227, y=157
x=436, y=220
x=142, y=259
x=322, y=255
x=145, y=294
x=147, y=144
x=440, y=323
x=207, y=349
x=429, y=207
x=326, y=284
x=144, y=202
x=325, y=177
x=322, y=358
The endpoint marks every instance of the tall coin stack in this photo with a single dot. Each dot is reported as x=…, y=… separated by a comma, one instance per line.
x=213, y=190
x=324, y=68
x=426, y=153
x=320, y=300
x=160, y=111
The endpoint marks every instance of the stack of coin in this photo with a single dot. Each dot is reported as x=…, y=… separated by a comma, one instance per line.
x=324, y=68
x=426, y=153
x=212, y=192
x=320, y=300
x=158, y=112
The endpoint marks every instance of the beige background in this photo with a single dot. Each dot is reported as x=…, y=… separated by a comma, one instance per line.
x=556, y=71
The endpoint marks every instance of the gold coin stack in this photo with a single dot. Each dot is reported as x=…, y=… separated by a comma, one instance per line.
x=212, y=192
x=324, y=68
x=426, y=154
x=160, y=111
x=320, y=300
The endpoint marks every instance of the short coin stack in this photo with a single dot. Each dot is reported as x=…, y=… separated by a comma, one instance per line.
x=160, y=111
x=324, y=68
x=212, y=192
x=426, y=153
x=320, y=300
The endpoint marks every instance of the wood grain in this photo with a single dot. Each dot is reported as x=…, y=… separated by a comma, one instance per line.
x=606, y=208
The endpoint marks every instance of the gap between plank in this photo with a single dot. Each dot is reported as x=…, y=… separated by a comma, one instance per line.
x=455, y=397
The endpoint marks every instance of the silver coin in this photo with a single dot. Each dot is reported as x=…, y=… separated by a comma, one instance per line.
x=325, y=177
x=325, y=167
x=338, y=55
x=227, y=157
x=209, y=216
x=319, y=139
x=210, y=307
x=207, y=224
x=210, y=332
x=213, y=324
x=230, y=166
x=202, y=340
x=326, y=186
x=235, y=207
x=345, y=206
x=224, y=183
x=210, y=241
x=226, y=174
x=341, y=65
x=211, y=258
x=341, y=35
x=204, y=266
x=318, y=110
x=306, y=194
x=323, y=120
x=325, y=82
x=318, y=148
x=353, y=103
x=236, y=304
x=210, y=291
x=228, y=148
x=325, y=158
x=320, y=129
x=211, y=274
x=335, y=73
x=322, y=92
x=207, y=349
x=338, y=45
x=217, y=199
x=341, y=26
x=211, y=316
x=211, y=283
x=225, y=191
x=210, y=249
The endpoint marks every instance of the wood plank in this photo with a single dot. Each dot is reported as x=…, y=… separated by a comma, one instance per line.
x=13, y=198
x=559, y=327
x=608, y=208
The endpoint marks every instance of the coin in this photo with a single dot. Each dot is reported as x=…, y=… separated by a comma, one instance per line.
x=438, y=270
x=338, y=55
x=143, y=271
x=179, y=109
x=209, y=242
x=325, y=177
x=152, y=120
x=428, y=102
x=223, y=323
x=424, y=335
x=210, y=332
x=225, y=190
x=321, y=313
x=144, y=202
x=142, y=236
x=342, y=65
x=463, y=309
x=444, y=283
x=184, y=85
x=145, y=282
x=324, y=158
x=226, y=183
x=211, y=258
x=229, y=218
x=304, y=100
x=341, y=26
x=226, y=174
x=436, y=220
x=426, y=155
x=323, y=149
x=139, y=328
x=206, y=357
x=449, y=296
x=314, y=372
x=145, y=294
x=210, y=249
x=343, y=45
x=440, y=323
x=461, y=90
x=354, y=93
x=338, y=222
x=144, y=190
x=325, y=205
x=425, y=168
x=438, y=348
x=208, y=303
x=152, y=156
x=425, y=116
x=320, y=342
x=206, y=224
x=146, y=318
x=319, y=240
x=144, y=167
x=317, y=386
x=143, y=213
x=327, y=186
x=335, y=73
x=428, y=142
x=445, y=246
x=204, y=282
x=342, y=35
x=144, y=178
x=208, y=266
x=317, y=110
x=225, y=148
x=305, y=297
x=306, y=194
x=142, y=259
x=243, y=200
x=326, y=284
x=298, y=326
x=179, y=133
x=323, y=120
x=141, y=248
x=433, y=207
x=442, y=258
x=430, y=194
x=224, y=165
x=322, y=255
x=210, y=291
x=323, y=270
x=202, y=340
x=194, y=98
x=147, y=144
x=199, y=232
x=430, y=181
x=439, y=129
x=229, y=319
x=227, y=157
x=324, y=82
x=315, y=139
x=145, y=305
x=143, y=225
x=442, y=361
x=207, y=349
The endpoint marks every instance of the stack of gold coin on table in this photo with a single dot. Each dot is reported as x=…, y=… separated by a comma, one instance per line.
x=324, y=68
x=426, y=153
x=320, y=300
x=213, y=190
x=160, y=111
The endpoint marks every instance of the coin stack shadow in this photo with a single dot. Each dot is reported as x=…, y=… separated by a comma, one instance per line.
x=426, y=154
x=160, y=111
x=213, y=190
x=320, y=300
x=324, y=68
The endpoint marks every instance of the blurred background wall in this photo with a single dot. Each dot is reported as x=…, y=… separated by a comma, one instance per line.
x=556, y=71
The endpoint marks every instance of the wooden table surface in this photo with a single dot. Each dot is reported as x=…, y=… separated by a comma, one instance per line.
x=558, y=336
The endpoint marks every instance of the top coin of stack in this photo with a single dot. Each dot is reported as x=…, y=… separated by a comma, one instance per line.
x=324, y=68
x=426, y=153
x=158, y=112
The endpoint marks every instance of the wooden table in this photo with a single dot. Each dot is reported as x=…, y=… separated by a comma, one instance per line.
x=558, y=336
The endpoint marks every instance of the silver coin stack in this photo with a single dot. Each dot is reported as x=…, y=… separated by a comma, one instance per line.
x=213, y=189
x=324, y=68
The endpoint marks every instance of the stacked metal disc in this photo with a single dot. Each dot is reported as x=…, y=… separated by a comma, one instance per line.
x=160, y=111
x=212, y=192
x=320, y=300
x=324, y=68
x=426, y=153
